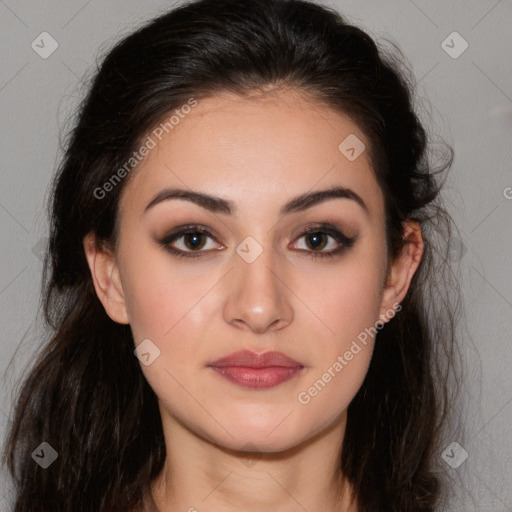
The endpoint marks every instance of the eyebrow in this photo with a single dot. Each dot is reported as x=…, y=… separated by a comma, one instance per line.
x=219, y=205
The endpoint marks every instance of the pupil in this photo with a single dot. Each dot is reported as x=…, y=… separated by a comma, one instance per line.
x=195, y=237
x=317, y=237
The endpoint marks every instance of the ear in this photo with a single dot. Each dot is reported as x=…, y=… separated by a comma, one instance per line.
x=106, y=279
x=401, y=270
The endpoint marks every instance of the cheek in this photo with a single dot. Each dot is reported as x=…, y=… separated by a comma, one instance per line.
x=173, y=306
x=328, y=391
x=347, y=300
x=349, y=306
x=172, y=310
x=162, y=298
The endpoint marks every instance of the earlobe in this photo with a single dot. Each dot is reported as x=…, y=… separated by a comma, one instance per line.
x=106, y=279
x=402, y=269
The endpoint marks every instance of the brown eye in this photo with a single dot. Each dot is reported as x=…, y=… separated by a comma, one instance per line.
x=317, y=240
x=193, y=240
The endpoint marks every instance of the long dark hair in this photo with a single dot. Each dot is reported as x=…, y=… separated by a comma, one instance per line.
x=86, y=395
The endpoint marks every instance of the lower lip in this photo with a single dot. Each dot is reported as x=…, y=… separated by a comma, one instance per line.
x=257, y=378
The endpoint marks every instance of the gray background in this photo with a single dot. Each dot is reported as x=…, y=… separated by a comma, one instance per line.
x=470, y=103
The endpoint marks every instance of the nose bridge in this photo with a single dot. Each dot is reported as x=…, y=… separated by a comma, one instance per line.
x=257, y=262
x=256, y=271
x=257, y=297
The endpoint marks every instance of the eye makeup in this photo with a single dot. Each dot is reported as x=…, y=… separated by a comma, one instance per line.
x=193, y=234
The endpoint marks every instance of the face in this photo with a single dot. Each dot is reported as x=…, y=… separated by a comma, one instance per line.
x=253, y=269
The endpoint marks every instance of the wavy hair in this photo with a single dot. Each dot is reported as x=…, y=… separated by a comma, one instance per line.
x=85, y=393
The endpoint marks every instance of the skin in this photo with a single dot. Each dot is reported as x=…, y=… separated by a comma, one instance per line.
x=231, y=448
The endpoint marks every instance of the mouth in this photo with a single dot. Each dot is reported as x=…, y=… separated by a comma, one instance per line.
x=256, y=371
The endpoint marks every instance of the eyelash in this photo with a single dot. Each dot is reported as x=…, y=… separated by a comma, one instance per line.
x=325, y=228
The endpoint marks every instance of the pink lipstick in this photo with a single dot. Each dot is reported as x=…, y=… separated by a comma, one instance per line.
x=256, y=371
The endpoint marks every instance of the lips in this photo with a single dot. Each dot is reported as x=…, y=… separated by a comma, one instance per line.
x=249, y=359
x=256, y=371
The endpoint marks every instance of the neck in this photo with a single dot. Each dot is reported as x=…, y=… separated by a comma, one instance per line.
x=200, y=476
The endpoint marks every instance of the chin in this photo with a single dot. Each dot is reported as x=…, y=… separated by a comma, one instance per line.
x=260, y=444
x=269, y=437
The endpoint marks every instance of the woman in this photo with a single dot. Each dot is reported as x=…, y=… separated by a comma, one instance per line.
x=241, y=278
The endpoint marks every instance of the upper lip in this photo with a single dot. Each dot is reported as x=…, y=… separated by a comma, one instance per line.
x=250, y=359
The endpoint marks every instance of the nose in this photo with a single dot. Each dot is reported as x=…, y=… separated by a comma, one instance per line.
x=258, y=298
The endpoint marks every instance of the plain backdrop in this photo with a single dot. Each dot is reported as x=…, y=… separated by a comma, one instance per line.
x=465, y=84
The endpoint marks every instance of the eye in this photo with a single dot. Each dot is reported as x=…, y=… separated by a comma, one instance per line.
x=194, y=240
x=317, y=239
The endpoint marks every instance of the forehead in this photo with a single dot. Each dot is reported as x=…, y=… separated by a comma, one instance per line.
x=255, y=151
